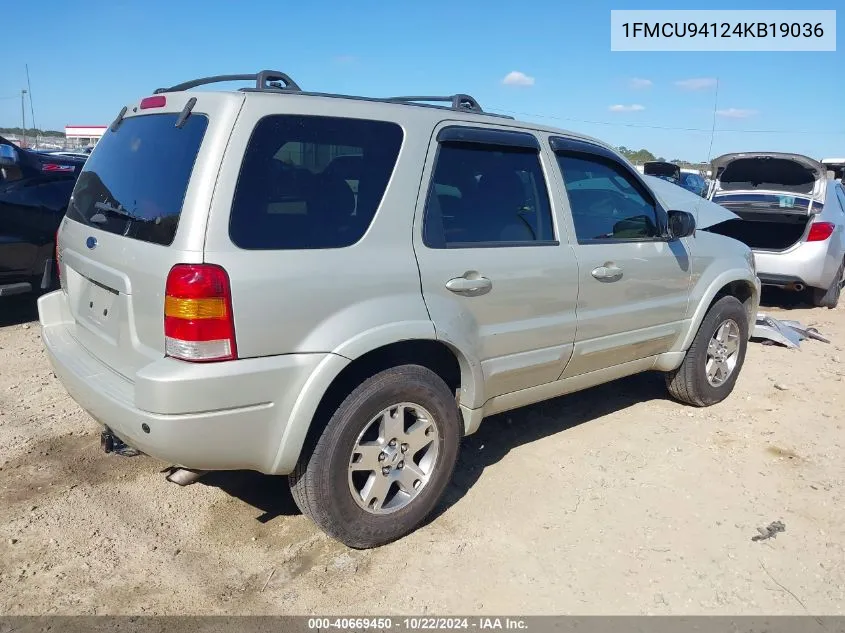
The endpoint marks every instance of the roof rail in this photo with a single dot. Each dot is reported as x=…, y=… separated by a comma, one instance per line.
x=458, y=102
x=264, y=80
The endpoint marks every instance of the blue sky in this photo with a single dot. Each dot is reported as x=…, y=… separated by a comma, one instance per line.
x=86, y=59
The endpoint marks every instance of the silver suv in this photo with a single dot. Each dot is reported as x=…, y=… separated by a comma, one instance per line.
x=339, y=289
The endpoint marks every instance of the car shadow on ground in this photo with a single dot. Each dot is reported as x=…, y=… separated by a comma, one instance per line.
x=267, y=493
x=500, y=434
x=497, y=436
x=18, y=309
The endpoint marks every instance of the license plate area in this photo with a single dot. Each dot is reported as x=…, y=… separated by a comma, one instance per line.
x=99, y=308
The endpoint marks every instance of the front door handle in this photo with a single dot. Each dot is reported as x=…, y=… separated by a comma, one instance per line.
x=608, y=272
x=469, y=286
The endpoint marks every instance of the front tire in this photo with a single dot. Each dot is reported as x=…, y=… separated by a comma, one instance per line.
x=384, y=459
x=713, y=362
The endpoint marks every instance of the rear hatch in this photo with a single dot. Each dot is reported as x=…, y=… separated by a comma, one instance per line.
x=769, y=182
x=775, y=196
x=140, y=206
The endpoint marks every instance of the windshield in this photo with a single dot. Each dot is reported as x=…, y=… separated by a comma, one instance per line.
x=134, y=183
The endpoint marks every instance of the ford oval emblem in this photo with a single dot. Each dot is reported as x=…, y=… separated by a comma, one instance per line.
x=91, y=242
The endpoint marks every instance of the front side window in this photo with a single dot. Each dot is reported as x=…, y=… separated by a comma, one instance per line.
x=606, y=202
x=483, y=194
x=310, y=182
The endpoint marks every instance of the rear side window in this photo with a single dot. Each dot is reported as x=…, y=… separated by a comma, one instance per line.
x=486, y=194
x=311, y=182
x=134, y=183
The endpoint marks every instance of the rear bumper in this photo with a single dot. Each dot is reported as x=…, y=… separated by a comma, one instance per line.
x=780, y=281
x=813, y=264
x=209, y=416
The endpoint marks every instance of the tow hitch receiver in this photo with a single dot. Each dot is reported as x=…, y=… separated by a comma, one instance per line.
x=110, y=443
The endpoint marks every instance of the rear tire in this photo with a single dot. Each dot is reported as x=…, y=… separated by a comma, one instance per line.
x=365, y=507
x=709, y=371
x=829, y=298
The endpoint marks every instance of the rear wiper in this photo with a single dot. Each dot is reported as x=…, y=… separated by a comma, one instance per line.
x=186, y=112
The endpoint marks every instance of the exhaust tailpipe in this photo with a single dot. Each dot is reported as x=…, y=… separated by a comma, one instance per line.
x=184, y=476
x=798, y=287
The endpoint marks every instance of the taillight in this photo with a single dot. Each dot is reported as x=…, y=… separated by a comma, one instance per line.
x=198, y=320
x=820, y=231
x=159, y=101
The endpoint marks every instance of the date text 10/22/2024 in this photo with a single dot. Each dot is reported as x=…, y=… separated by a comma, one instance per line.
x=417, y=624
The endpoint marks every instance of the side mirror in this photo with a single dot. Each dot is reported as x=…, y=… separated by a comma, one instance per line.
x=681, y=224
x=8, y=156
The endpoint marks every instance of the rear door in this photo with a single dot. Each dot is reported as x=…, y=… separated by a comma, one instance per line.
x=138, y=208
x=633, y=282
x=496, y=278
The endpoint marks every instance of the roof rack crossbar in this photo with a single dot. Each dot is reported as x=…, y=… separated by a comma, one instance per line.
x=266, y=79
x=458, y=101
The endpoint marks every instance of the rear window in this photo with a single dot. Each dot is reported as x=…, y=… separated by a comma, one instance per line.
x=134, y=183
x=311, y=182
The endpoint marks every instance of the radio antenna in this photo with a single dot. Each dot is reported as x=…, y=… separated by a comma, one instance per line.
x=712, y=129
x=31, y=107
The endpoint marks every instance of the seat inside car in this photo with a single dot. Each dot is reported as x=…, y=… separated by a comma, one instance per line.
x=500, y=197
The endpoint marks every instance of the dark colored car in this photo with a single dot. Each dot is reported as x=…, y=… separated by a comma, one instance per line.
x=664, y=170
x=34, y=192
x=672, y=172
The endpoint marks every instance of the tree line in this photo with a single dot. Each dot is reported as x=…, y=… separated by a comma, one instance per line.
x=640, y=156
x=30, y=131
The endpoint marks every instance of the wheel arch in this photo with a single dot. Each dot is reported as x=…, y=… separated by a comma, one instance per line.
x=729, y=283
x=339, y=374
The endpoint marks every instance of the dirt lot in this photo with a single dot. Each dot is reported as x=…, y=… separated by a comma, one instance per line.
x=615, y=500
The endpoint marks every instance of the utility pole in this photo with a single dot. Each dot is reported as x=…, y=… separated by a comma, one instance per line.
x=23, y=118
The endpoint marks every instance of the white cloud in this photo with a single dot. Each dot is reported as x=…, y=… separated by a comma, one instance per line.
x=639, y=84
x=516, y=78
x=736, y=113
x=634, y=107
x=699, y=83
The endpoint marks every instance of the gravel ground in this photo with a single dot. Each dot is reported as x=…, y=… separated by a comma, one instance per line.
x=615, y=500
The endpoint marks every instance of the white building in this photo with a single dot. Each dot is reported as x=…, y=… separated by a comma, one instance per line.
x=84, y=135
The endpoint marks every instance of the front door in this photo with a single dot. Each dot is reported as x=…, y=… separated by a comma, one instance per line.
x=497, y=281
x=634, y=281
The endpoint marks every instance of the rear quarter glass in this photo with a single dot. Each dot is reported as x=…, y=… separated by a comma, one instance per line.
x=311, y=182
x=135, y=183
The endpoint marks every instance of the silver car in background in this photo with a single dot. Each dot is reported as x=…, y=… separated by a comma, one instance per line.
x=792, y=215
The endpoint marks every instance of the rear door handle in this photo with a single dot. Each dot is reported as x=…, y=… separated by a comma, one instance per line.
x=470, y=287
x=608, y=272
